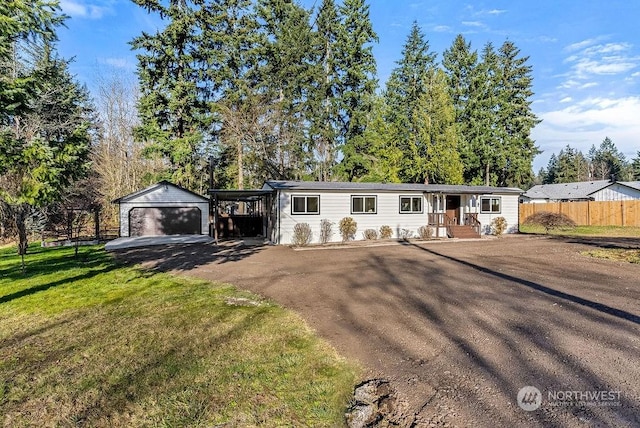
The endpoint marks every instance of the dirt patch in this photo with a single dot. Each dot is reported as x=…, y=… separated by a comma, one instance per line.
x=459, y=328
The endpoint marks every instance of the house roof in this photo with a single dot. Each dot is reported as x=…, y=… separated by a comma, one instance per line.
x=633, y=184
x=387, y=187
x=558, y=191
x=153, y=187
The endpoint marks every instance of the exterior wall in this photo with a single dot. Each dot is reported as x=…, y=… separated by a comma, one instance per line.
x=168, y=196
x=616, y=192
x=509, y=210
x=336, y=204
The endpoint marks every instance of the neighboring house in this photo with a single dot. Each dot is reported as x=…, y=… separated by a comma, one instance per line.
x=600, y=190
x=163, y=209
x=449, y=209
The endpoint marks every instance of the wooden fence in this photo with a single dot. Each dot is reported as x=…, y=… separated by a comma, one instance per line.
x=591, y=213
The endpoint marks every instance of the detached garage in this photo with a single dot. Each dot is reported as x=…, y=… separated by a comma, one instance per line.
x=163, y=209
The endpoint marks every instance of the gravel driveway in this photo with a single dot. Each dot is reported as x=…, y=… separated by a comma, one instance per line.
x=460, y=327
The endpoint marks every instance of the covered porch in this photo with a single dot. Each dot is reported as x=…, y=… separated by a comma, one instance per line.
x=454, y=215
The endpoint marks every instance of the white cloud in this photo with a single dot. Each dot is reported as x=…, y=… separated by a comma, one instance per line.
x=566, y=100
x=588, y=122
x=477, y=24
x=588, y=85
x=115, y=62
x=496, y=11
x=442, y=28
x=80, y=9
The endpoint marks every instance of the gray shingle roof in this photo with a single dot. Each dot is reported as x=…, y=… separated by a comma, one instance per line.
x=387, y=187
x=559, y=191
x=151, y=189
x=632, y=184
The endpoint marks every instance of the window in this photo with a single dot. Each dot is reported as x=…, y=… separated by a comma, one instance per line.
x=363, y=205
x=410, y=204
x=490, y=205
x=305, y=205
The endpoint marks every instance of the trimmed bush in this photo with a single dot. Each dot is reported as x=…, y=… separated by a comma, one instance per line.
x=301, y=234
x=549, y=220
x=385, y=232
x=370, y=234
x=498, y=226
x=326, y=231
x=425, y=232
x=348, y=227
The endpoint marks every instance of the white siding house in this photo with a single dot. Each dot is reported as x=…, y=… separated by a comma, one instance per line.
x=399, y=206
x=599, y=190
x=163, y=209
x=618, y=191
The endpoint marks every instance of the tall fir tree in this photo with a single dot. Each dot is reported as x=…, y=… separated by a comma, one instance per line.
x=635, y=167
x=357, y=83
x=173, y=104
x=287, y=74
x=607, y=163
x=460, y=63
x=435, y=154
x=515, y=118
x=231, y=47
x=324, y=97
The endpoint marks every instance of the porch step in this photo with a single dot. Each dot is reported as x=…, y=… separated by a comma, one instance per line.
x=464, y=232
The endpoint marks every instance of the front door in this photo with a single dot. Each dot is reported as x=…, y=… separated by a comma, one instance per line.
x=453, y=208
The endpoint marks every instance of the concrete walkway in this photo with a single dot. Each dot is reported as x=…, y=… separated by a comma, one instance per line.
x=146, y=241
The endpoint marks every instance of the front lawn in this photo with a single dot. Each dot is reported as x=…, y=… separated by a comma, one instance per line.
x=609, y=231
x=89, y=342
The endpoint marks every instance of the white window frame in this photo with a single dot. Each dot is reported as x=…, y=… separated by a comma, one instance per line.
x=411, y=210
x=490, y=210
x=364, y=198
x=306, y=205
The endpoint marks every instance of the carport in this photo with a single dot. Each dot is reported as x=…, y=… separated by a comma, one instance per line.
x=241, y=213
x=163, y=209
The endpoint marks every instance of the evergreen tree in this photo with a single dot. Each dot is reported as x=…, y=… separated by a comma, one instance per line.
x=635, y=168
x=172, y=107
x=516, y=150
x=551, y=172
x=323, y=100
x=608, y=162
x=461, y=66
x=287, y=74
x=435, y=144
x=482, y=143
x=357, y=83
x=384, y=158
x=45, y=145
x=231, y=47
x=571, y=166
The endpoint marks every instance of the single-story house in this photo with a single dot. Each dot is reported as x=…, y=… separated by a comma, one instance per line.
x=451, y=210
x=163, y=209
x=599, y=190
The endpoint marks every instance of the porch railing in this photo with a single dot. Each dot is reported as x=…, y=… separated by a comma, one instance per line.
x=471, y=219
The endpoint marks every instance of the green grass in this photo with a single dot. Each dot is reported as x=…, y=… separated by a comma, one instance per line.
x=89, y=342
x=617, y=254
x=608, y=231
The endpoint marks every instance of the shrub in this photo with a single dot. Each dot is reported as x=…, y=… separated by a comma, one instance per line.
x=370, y=234
x=385, y=232
x=406, y=233
x=549, y=220
x=348, y=228
x=326, y=231
x=425, y=232
x=498, y=226
x=301, y=234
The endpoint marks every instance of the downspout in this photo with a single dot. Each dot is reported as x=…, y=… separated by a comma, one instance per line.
x=279, y=234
